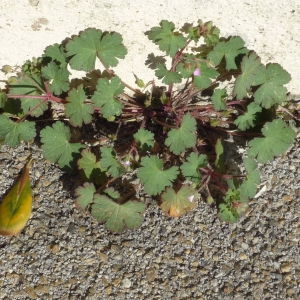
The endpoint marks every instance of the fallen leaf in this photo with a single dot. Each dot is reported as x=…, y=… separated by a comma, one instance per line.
x=15, y=209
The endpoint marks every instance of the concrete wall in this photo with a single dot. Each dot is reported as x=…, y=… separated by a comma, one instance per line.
x=270, y=27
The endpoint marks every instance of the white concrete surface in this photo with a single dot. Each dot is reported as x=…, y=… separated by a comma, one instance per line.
x=270, y=27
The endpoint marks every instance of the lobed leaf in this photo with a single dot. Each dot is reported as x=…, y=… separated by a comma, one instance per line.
x=14, y=133
x=25, y=85
x=58, y=76
x=230, y=50
x=183, y=138
x=105, y=96
x=85, y=196
x=168, y=77
x=88, y=163
x=207, y=73
x=56, y=53
x=271, y=80
x=176, y=204
x=218, y=99
x=247, y=120
x=56, y=146
x=78, y=111
x=154, y=178
x=190, y=168
x=116, y=216
x=110, y=163
x=277, y=139
x=167, y=40
x=145, y=138
x=250, y=66
x=92, y=43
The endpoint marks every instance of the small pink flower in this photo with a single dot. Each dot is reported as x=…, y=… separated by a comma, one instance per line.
x=197, y=72
x=191, y=198
x=127, y=163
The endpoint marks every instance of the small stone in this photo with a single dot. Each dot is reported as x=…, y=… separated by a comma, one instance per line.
x=116, y=281
x=108, y=290
x=243, y=256
x=55, y=249
x=34, y=2
x=118, y=257
x=126, y=283
x=150, y=274
x=215, y=257
x=115, y=249
x=139, y=252
x=285, y=268
x=228, y=289
x=179, y=259
x=30, y=291
x=103, y=256
x=245, y=246
x=41, y=289
x=287, y=198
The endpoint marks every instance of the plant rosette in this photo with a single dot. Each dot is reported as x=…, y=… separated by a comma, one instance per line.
x=158, y=134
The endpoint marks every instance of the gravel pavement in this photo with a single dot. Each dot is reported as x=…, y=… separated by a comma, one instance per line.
x=63, y=254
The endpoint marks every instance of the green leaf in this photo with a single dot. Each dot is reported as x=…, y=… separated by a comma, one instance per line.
x=110, y=163
x=250, y=66
x=56, y=146
x=183, y=138
x=218, y=99
x=24, y=85
x=210, y=33
x=204, y=80
x=59, y=78
x=233, y=208
x=249, y=186
x=277, y=140
x=76, y=109
x=56, y=53
x=88, y=163
x=85, y=196
x=176, y=204
x=139, y=82
x=226, y=214
x=247, y=120
x=145, y=138
x=105, y=96
x=169, y=77
x=115, y=216
x=220, y=158
x=154, y=178
x=13, y=133
x=271, y=92
x=187, y=68
x=190, y=168
x=3, y=99
x=92, y=43
x=167, y=40
x=230, y=50
x=112, y=193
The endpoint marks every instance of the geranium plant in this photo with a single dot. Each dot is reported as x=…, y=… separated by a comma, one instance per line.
x=163, y=138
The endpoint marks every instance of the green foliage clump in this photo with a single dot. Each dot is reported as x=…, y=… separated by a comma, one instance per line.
x=168, y=139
